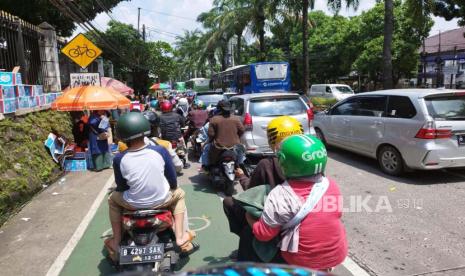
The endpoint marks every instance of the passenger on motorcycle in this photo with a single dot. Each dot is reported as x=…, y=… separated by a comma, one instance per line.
x=145, y=179
x=267, y=171
x=298, y=211
x=197, y=118
x=170, y=126
x=224, y=131
x=183, y=107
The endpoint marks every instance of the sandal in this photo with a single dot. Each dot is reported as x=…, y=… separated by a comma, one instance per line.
x=111, y=253
x=188, y=248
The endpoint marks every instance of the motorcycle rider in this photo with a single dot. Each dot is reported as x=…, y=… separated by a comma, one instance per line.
x=311, y=232
x=197, y=118
x=145, y=179
x=224, y=131
x=267, y=170
x=170, y=126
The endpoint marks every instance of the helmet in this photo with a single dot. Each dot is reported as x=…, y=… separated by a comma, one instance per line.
x=166, y=106
x=154, y=103
x=200, y=104
x=301, y=156
x=132, y=125
x=183, y=101
x=282, y=127
x=151, y=117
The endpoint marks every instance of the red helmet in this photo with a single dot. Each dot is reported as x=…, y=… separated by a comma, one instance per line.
x=166, y=106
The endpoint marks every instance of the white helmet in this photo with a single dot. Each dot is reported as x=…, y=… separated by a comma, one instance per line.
x=183, y=101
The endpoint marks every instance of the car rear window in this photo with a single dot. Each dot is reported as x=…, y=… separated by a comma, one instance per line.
x=277, y=107
x=446, y=107
x=210, y=99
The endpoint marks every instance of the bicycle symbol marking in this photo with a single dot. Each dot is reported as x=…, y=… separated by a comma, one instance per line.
x=82, y=50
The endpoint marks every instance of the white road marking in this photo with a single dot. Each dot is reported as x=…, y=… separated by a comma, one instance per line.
x=354, y=268
x=205, y=226
x=60, y=261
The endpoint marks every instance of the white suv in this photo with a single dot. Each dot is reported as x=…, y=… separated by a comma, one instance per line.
x=257, y=110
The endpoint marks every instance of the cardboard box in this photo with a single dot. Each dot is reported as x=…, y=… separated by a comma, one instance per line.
x=22, y=102
x=22, y=90
x=10, y=78
x=33, y=102
x=41, y=100
x=38, y=90
x=7, y=106
x=7, y=92
x=49, y=98
x=75, y=165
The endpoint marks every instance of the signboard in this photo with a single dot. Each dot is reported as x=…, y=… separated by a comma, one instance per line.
x=81, y=79
x=81, y=50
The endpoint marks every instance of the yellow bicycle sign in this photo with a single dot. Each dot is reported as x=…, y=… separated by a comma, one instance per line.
x=81, y=50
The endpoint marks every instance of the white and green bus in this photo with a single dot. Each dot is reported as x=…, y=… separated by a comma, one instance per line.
x=198, y=84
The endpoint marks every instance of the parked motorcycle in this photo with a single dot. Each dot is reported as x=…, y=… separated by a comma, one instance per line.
x=148, y=242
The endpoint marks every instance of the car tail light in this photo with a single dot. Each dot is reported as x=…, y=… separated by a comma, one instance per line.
x=429, y=131
x=248, y=121
x=310, y=117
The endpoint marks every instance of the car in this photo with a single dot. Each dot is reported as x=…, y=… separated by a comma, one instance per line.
x=210, y=98
x=337, y=92
x=403, y=129
x=258, y=109
x=228, y=95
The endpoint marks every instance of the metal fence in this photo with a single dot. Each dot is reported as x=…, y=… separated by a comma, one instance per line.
x=19, y=46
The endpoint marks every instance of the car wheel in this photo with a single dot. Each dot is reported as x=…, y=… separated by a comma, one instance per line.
x=390, y=160
x=319, y=135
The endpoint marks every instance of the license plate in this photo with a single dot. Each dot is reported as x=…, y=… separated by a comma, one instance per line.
x=461, y=140
x=141, y=254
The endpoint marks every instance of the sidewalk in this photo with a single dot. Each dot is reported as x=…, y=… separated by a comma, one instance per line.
x=32, y=239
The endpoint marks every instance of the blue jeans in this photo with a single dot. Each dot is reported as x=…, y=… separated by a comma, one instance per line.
x=204, y=157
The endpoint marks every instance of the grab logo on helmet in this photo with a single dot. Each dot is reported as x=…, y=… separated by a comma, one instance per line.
x=309, y=156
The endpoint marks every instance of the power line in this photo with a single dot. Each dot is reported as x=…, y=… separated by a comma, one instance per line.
x=169, y=14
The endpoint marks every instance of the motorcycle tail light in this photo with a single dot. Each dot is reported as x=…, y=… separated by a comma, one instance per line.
x=174, y=144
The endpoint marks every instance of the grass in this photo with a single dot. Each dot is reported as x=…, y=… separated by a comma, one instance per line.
x=25, y=164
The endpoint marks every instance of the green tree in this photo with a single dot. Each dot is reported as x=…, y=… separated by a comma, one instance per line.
x=38, y=11
x=449, y=9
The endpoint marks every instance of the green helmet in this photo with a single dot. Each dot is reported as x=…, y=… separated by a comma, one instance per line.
x=132, y=125
x=302, y=156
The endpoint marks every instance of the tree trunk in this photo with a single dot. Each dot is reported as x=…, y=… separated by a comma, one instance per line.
x=305, y=46
x=261, y=29
x=239, y=46
x=387, y=46
x=224, y=52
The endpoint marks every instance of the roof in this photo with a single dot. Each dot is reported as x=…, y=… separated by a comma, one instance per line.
x=265, y=94
x=449, y=40
x=411, y=92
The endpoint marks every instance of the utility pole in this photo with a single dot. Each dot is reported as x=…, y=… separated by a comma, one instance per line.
x=138, y=20
x=438, y=62
x=143, y=32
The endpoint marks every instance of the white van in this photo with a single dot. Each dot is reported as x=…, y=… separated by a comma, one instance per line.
x=335, y=91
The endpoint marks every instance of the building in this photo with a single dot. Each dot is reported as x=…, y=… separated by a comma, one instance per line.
x=442, y=59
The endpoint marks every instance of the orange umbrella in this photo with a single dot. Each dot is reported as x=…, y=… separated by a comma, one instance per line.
x=90, y=98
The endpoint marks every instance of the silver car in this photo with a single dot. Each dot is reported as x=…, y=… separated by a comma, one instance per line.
x=257, y=110
x=403, y=129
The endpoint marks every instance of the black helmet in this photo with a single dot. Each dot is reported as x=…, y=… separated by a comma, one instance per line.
x=132, y=125
x=151, y=117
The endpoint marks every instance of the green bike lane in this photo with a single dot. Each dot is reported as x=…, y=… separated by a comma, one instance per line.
x=205, y=216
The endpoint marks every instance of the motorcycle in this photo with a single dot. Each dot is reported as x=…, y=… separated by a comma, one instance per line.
x=148, y=242
x=181, y=151
x=222, y=174
x=196, y=142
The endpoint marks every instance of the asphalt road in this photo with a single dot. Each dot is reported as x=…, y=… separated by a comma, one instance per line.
x=417, y=229
x=423, y=232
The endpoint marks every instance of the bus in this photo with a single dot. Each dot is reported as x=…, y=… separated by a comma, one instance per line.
x=253, y=78
x=198, y=84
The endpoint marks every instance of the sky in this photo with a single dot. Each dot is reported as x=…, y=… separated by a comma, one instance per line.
x=165, y=19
